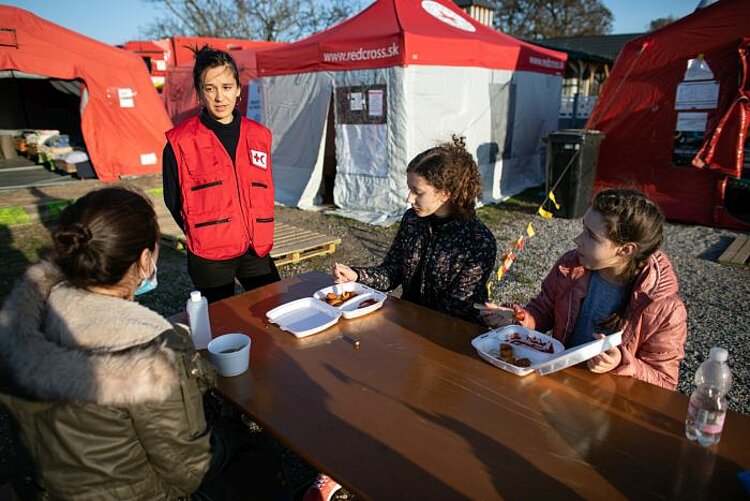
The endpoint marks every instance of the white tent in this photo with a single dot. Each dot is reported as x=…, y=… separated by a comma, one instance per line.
x=392, y=81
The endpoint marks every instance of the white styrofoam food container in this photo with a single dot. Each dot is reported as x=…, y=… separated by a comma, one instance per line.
x=488, y=347
x=350, y=308
x=580, y=353
x=304, y=317
x=549, y=356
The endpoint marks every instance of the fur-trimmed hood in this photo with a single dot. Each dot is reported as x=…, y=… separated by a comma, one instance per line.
x=60, y=343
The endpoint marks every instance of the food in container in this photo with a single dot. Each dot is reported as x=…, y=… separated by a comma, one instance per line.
x=360, y=301
x=522, y=351
x=310, y=315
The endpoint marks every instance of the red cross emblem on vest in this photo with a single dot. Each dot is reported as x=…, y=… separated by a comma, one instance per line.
x=259, y=159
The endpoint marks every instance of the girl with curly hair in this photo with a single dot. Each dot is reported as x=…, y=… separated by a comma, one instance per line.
x=615, y=279
x=443, y=254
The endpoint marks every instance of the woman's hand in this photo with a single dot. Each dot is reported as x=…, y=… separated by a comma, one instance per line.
x=496, y=316
x=606, y=361
x=342, y=273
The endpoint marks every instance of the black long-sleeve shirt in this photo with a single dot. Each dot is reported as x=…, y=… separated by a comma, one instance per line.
x=229, y=137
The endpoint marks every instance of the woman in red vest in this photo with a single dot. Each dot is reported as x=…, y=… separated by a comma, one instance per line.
x=218, y=184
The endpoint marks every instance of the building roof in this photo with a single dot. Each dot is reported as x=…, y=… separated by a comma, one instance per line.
x=604, y=46
x=478, y=3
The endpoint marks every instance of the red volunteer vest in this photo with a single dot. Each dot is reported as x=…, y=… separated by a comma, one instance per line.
x=226, y=208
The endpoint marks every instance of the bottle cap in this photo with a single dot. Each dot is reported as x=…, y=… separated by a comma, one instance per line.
x=195, y=296
x=718, y=354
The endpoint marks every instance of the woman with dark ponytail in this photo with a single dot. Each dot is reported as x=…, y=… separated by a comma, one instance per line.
x=615, y=279
x=106, y=395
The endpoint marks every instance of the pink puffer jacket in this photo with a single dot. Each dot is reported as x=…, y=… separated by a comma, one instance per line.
x=655, y=326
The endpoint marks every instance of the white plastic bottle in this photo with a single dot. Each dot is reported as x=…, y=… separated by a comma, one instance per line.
x=708, y=404
x=200, y=325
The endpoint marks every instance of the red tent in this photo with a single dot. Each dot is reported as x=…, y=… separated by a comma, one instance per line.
x=164, y=54
x=350, y=106
x=179, y=94
x=122, y=119
x=406, y=32
x=675, y=113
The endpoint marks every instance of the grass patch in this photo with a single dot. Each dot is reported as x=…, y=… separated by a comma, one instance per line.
x=13, y=215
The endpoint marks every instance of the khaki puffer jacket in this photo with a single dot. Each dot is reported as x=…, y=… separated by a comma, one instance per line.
x=655, y=327
x=106, y=395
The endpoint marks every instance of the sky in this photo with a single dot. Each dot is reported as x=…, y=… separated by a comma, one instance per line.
x=117, y=21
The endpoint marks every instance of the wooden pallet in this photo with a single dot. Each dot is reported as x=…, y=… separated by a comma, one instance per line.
x=738, y=252
x=291, y=244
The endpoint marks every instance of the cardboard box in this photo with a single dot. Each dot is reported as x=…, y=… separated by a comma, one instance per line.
x=65, y=166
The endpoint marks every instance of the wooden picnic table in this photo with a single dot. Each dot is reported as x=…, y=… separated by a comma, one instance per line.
x=414, y=413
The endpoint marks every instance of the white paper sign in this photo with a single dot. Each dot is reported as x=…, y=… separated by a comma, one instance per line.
x=692, y=122
x=356, y=101
x=698, y=69
x=161, y=65
x=126, y=96
x=253, y=101
x=697, y=95
x=148, y=158
x=375, y=103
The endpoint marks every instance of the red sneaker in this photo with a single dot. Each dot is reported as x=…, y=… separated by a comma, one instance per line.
x=322, y=489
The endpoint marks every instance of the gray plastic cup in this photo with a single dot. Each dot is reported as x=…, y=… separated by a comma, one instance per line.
x=230, y=354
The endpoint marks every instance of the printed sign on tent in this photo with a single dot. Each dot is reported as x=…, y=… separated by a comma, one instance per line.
x=126, y=97
x=375, y=103
x=697, y=95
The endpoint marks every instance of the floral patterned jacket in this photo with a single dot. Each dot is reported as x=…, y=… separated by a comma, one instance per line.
x=458, y=259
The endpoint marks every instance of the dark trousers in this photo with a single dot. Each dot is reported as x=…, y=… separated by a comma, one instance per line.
x=215, y=279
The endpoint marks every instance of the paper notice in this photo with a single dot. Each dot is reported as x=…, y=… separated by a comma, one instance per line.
x=148, y=159
x=692, y=122
x=697, y=95
x=698, y=69
x=356, y=101
x=161, y=65
x=126, y=97
x=375, y=103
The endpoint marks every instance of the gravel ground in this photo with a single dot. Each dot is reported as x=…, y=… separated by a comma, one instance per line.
x=716, y=295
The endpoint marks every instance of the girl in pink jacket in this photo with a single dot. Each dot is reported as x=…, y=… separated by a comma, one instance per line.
x=615, y=279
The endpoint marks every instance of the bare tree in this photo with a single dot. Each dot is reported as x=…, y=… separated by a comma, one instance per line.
x=661, y=22
x=280, y=20
x=538, y=19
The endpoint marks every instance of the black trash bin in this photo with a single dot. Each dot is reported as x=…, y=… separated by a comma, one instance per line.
x=577, y=151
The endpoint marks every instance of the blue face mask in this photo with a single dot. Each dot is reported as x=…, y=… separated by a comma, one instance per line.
x=149, y=283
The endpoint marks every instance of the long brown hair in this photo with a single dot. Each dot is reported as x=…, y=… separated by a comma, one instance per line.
x=629, y=216
x=449, y=167
x=102, y=234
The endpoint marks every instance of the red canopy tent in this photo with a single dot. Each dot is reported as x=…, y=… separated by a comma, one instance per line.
x=674, y=112
x=351, y=105
x=402, y=33
x=122, y=118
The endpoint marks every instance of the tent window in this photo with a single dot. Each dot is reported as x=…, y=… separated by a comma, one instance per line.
x=8, y=37
x=362, y=104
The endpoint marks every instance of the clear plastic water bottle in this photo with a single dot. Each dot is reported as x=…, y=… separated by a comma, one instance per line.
x=708, y=404
x=200, y=325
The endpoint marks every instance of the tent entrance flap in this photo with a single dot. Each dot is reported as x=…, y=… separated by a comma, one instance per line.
x=325, y=194
x=41, y=103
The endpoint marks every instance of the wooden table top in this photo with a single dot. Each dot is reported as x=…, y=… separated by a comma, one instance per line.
x=414, y=413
